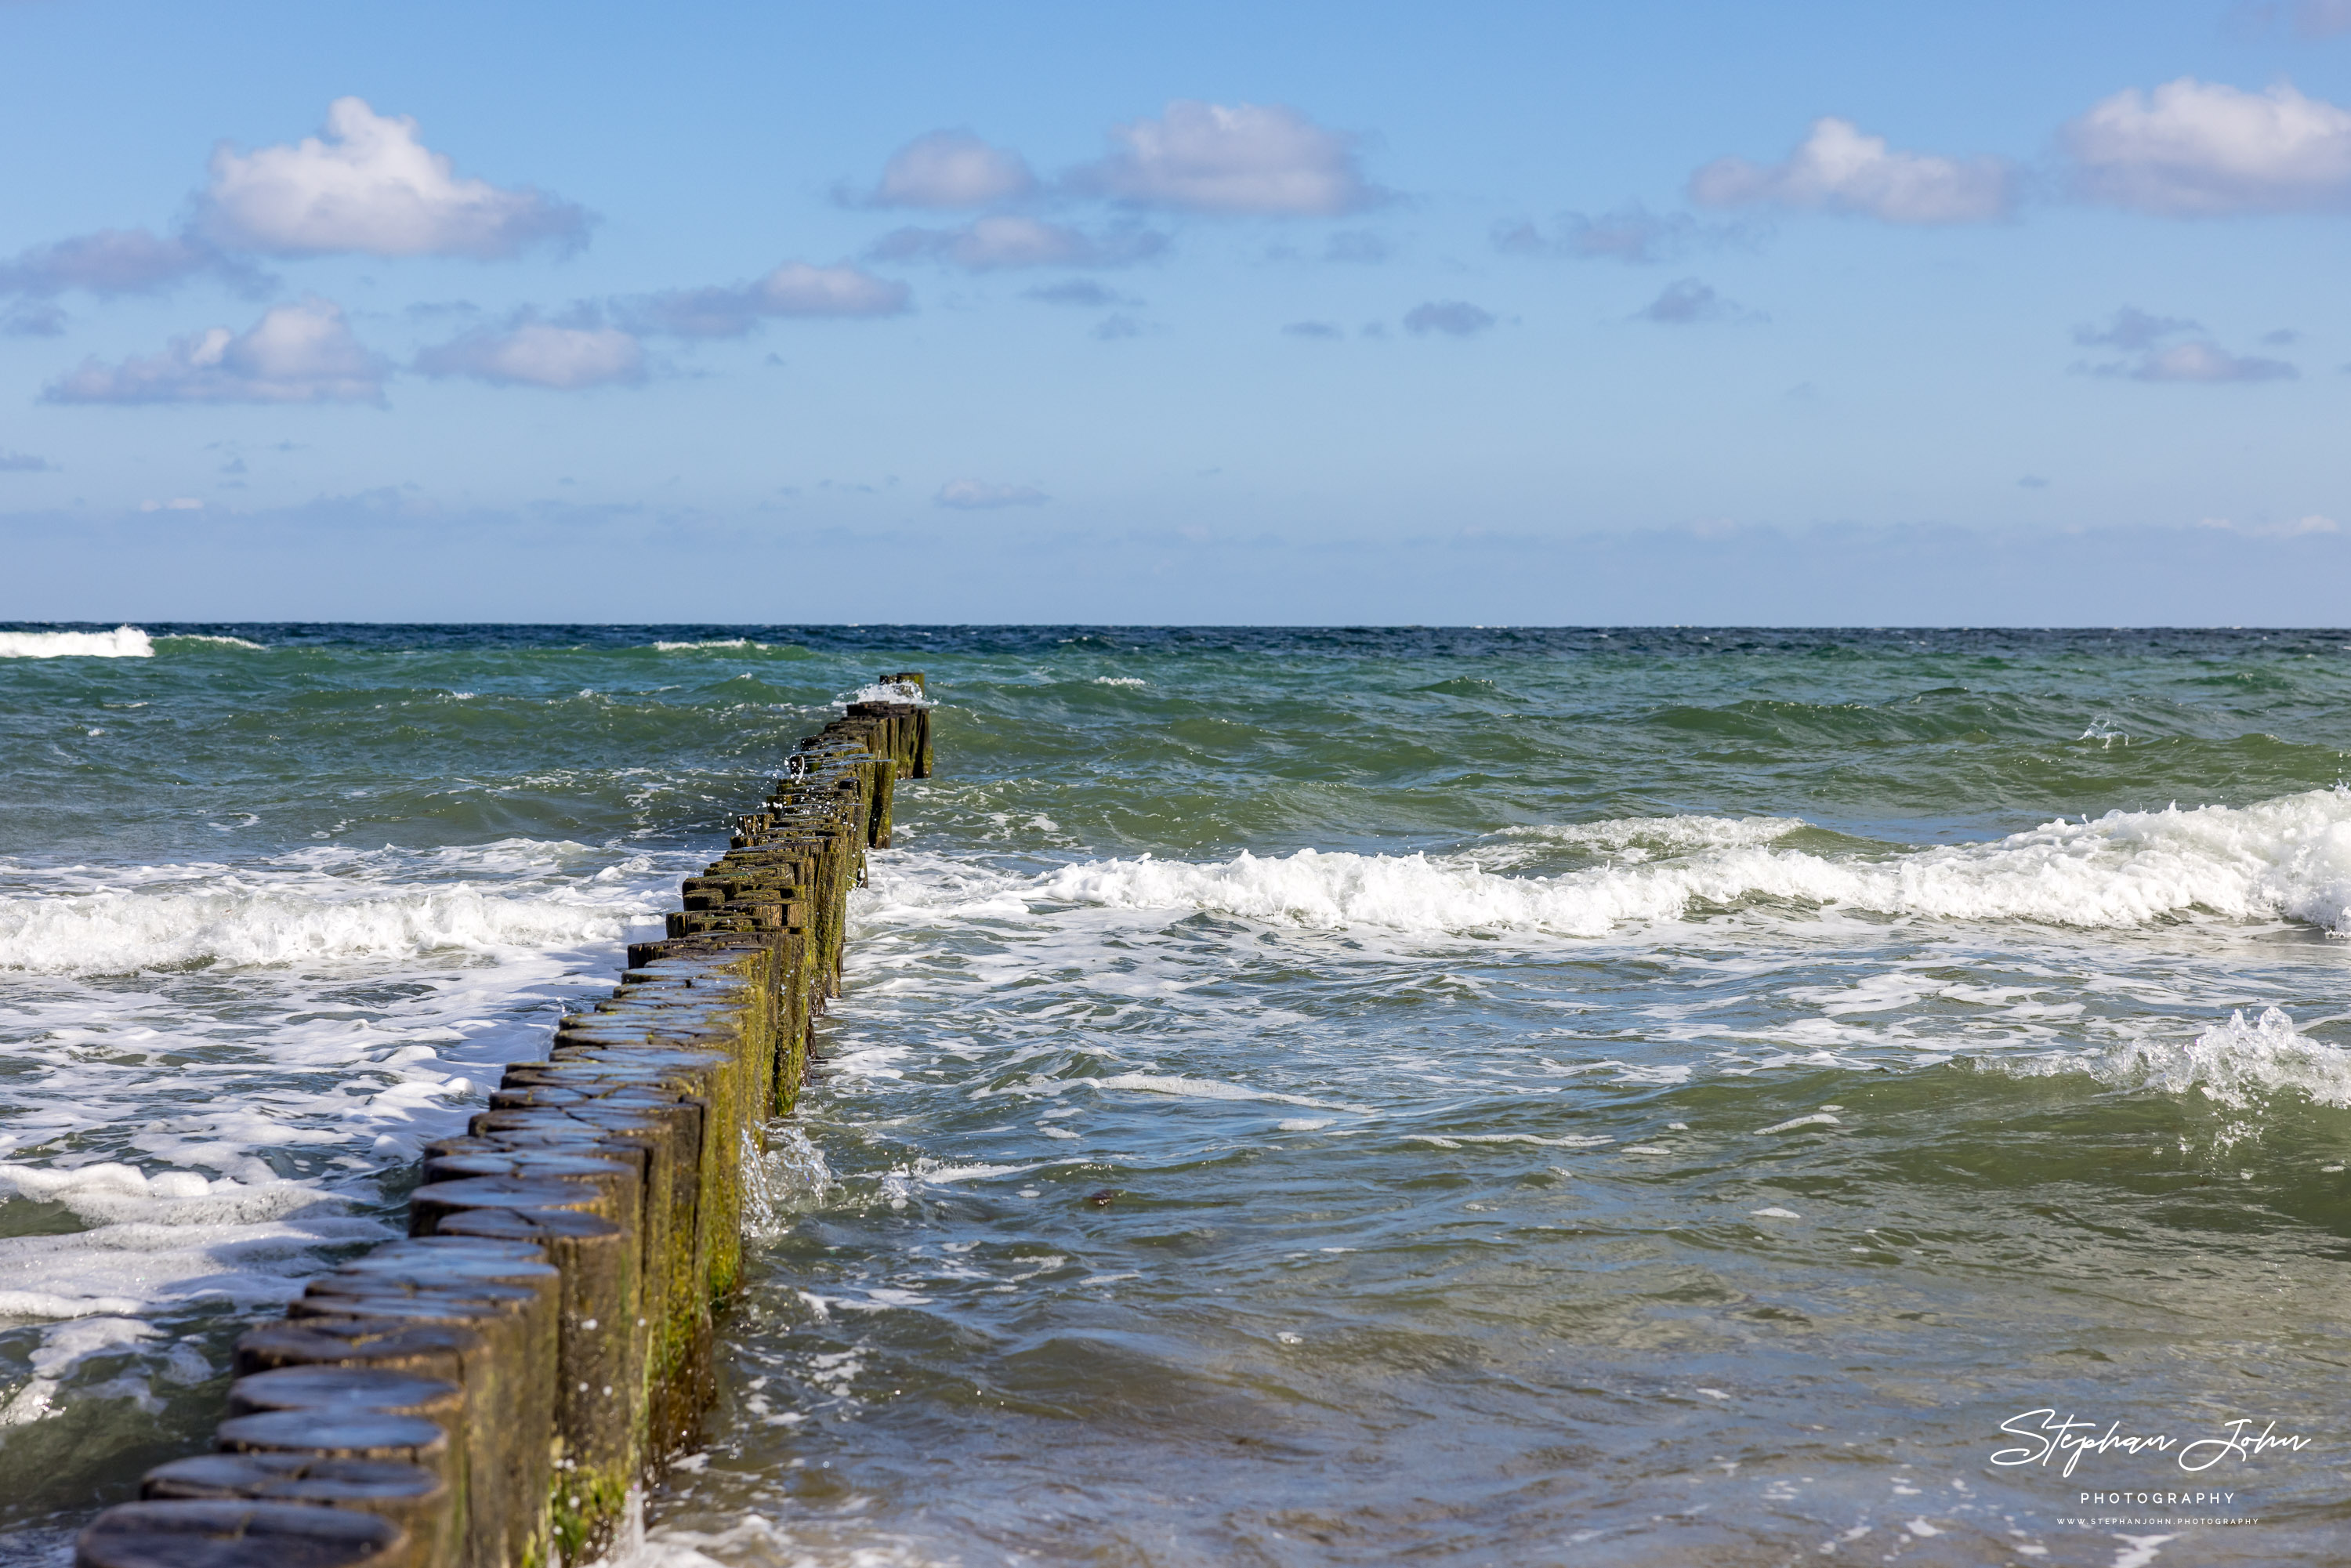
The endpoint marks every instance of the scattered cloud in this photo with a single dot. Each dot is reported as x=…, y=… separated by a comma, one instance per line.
x=110, y=262
x=979, y=495
x=2163, y=350
x=1632, y=234
x=176, y=504
x=33, y=320
x=1357, y=245
x=1837, y=169
x=2131, y=329
x=950, y=168
x=990, y=243
x=2202, y=361
x=795, y=289
x=1083, y=292
x=1111, y=328
x=23, y=462
x=370, y=186
x=2191, y=149
x=1455, y=318
x=1246, y=158
x=540, y=354
x=302, y=352
x=2289, y=528
x=2033, y=482
x=1686, y=302
x=1317, y=329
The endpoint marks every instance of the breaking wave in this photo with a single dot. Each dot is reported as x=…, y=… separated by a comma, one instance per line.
x=112, y=932
x=2288, y=858
x=123, y=643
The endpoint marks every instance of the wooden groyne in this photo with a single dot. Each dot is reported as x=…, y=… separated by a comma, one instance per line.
x=491, y=1391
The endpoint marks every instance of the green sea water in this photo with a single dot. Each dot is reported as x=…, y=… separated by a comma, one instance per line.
x=1301, y=1096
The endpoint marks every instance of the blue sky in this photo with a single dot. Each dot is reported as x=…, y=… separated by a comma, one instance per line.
x=1521, y=313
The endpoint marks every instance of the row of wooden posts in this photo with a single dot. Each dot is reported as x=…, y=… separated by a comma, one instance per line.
x=491, y=1391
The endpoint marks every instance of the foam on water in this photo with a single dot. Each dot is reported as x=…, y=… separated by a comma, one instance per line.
x=123, y=643
x=2237, y=1063
x=886, y=691
x=2289, y=857
x=218, y=642
x=298, y=1028
x=240, y=923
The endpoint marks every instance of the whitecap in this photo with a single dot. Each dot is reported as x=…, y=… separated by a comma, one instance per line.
x=2234, y=1063
x=2287, y=857
x=123, y=643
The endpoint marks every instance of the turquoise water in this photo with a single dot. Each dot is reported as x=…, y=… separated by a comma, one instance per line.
x=1343, y=1096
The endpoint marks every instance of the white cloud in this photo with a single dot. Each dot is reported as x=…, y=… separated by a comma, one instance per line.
x=1837, y=169
x=2191, y=149
x=951, y=169
x=1238, y=158
x=302, y=352
x=368, y=186
x=2132, y=329
x=978, y=494
x=118, y=261
x=2164, y=352
x=1686, y=302
x=794, y=288
x=25, y=462
x=540, y=354
x=1454, y=318
x=2203, y=361
x=989, y=244
x=176, y=504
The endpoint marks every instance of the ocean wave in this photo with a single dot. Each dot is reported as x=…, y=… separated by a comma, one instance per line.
x=2234, y=1063
x=1634, y=838
x=2288, y=858
x=123, y=643
x=713, y=643
x=216, y=642
x=108, y=933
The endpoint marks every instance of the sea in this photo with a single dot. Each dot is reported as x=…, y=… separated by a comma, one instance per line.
x=1362, y=1095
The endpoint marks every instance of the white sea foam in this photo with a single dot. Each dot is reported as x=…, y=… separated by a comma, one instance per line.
x=243, y=920
x=210, y=1127
x=185, y=1253
x=215, y=641
x=123, y=643
x=2234, y=1063
x=712, y=643
x=1206, y=1088
x=886, y=691
x=1635, y=838
x=2289, y=857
